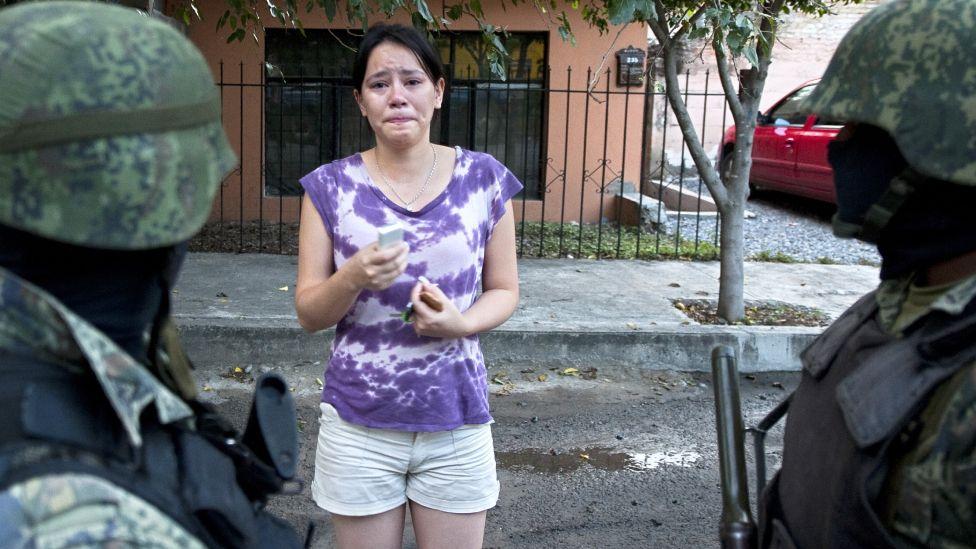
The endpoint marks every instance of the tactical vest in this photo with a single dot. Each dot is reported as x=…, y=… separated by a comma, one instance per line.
x=54, y=420
x=860, y=388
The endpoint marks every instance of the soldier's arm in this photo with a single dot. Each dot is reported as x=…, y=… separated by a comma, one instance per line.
x=935, y=504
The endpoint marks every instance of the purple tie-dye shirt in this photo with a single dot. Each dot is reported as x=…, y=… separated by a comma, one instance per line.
x=382, y=374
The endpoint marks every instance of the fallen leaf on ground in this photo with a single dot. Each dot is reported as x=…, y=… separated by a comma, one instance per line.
x=543, y=377
x=238, y=374
x=500, y=378
x=569, y=372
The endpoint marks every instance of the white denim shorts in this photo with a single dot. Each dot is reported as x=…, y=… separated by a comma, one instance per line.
x=362, y=471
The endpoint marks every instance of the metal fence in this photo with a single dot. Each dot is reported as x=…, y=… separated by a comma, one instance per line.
x=611, y=199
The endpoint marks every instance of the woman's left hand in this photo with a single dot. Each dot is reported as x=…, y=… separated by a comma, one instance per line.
x=446, y=323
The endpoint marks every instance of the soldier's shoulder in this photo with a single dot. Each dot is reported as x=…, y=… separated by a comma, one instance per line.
x=48, y=511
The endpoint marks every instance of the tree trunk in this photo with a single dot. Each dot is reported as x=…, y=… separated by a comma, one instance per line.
x=731, y=306
x=730, y=195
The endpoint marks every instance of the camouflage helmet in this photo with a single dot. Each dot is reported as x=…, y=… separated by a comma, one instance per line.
x=110, y=132
x=909, y=68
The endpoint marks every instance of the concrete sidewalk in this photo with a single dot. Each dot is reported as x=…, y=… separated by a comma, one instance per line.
x=618, y=315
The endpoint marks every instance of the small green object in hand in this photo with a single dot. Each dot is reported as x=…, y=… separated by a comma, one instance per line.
x=406, y=315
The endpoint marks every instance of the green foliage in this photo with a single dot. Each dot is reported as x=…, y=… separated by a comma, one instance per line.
x=773, y=257
x=552, y=240
x=735, y=25
x=619, y=12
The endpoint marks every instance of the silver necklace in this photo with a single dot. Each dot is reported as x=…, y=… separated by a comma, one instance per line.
x=423, y=188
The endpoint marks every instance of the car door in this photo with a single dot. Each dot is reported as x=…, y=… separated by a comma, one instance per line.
x=774, y=144
x=813, y=171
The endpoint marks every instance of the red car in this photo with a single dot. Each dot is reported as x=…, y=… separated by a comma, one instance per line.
x=789, y=152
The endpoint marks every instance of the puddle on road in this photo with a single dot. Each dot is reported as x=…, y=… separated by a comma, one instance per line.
x=544, y=461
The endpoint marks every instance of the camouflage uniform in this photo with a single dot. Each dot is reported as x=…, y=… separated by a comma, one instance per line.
x=33, y=323
x=110, y=138
x=907, y=68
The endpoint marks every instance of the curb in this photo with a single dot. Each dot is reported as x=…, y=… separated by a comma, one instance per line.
x=214, y=346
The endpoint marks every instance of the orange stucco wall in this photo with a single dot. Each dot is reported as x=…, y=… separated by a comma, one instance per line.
x=579, y=148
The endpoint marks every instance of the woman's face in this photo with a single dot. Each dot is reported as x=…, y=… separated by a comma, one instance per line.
x=397, y=96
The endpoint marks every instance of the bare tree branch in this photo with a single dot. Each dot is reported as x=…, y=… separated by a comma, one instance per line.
x=603, y=60
x=662, y=31
x=771, y=10
x=731, y=94
x=687, y=126
x=339, y=40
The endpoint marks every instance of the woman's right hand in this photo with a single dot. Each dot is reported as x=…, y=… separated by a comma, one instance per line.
x=375, y=269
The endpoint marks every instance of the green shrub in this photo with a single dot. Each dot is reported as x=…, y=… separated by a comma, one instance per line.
x=773, y=257
x=607, y=241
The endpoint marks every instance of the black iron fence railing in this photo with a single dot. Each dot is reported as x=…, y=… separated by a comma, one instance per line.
x=605, y=170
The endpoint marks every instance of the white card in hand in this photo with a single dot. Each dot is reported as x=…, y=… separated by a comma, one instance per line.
x=389, y=235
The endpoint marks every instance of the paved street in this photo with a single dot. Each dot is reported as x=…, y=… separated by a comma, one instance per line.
x=604, y=462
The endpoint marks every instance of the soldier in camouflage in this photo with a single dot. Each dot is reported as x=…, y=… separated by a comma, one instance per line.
x=880, y=442
x=111, y=150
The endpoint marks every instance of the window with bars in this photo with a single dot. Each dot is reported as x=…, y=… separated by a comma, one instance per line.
x=311, y=117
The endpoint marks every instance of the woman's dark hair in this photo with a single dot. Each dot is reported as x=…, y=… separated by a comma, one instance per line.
x=407, y=37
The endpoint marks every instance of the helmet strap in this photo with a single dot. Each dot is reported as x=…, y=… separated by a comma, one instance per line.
x=168, y=360
x=880, y=213
x=102, y=124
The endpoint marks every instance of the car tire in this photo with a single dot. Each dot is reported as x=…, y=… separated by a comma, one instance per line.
x=725, y=168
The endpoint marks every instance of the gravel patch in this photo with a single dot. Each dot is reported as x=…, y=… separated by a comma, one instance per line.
x=787, y=227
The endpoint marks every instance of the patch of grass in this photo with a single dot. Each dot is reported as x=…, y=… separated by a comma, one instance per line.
x=757, y=313
x=868, y=262
x=824, y=260
x=546, y=240
x=773, y=257
x=609, y=241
